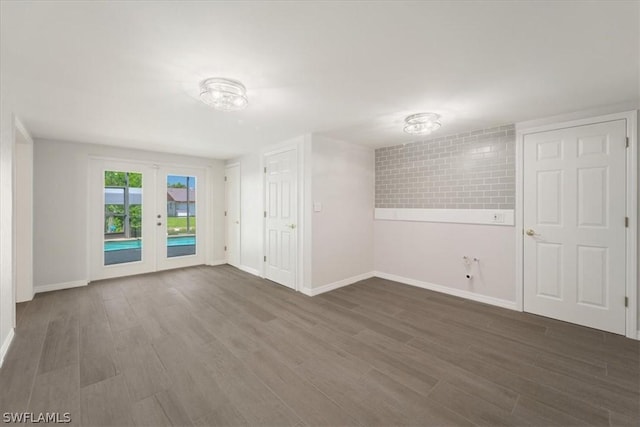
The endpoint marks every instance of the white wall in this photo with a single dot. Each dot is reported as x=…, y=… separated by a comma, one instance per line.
x=338, y=241
x=7, y=262
x=432, y=253
x=342, y=182
x=60, y=205
x=24, y=217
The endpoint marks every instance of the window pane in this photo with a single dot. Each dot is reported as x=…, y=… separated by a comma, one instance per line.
x=181, y=215
x=122, y=217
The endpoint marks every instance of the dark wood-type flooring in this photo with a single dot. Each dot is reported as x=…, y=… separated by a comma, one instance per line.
x=216, y=346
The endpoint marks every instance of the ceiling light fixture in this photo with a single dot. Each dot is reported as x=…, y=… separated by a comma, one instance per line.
x=224, y=94
x=422, y=123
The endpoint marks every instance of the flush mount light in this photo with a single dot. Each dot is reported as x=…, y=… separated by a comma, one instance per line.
x=223, y=94
x=422, y=123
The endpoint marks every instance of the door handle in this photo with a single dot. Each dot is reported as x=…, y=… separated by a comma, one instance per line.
x=530, y=232
x=237, y=222
x=291, y=226
x=158, y=223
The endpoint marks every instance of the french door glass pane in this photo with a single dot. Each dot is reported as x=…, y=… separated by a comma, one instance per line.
x=122, y=217
x=181, y=215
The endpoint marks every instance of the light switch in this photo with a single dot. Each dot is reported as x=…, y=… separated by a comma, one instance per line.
x=317, y=206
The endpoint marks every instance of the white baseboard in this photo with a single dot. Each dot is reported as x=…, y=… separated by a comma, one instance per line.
x=638, y=338
x=217, y=262
x=249, y=270
x=5, y=346
x=335, y=285
x=511, y=305
x=59, y=286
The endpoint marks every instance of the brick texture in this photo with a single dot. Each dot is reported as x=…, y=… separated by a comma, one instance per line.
x=472, y=170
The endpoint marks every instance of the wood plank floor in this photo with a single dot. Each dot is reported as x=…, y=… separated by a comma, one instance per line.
x=216, y=346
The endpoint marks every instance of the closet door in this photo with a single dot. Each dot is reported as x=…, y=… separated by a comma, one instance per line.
x=574, y=218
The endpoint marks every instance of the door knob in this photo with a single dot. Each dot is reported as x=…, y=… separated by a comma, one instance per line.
x=530, y=232
x=159, y=223
x=237, y=222
x=291, y=226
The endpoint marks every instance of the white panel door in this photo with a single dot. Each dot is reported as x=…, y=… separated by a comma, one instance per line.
x=281, y=208
x=232, y=213
x=574, y=224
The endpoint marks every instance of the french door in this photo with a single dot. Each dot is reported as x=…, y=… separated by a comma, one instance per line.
x=144, y=218
x=574, y=219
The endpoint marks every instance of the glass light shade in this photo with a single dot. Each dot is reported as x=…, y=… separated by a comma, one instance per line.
x=224, y=94
x=422, y=123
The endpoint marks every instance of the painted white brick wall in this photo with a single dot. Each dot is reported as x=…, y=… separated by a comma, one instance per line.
x=471, y=170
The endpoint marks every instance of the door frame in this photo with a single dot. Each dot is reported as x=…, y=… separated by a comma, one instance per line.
x=631, y=118
x=226, y=209
x=298, y=145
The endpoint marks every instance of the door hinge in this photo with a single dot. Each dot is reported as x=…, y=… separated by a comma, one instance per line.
x=265, y=169
x=627, y=144
x=225, y=178
x=626, y=221
x=265, y=258
x=626, y=301
x=265, y=214
x=225, y=248
x=225, y=213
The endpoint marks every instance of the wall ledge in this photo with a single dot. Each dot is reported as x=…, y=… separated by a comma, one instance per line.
x=511, y=305
x=60, y=286
x=5, y=346
x=501, y=217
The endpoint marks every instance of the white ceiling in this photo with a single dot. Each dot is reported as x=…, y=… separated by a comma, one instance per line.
x=126, y=74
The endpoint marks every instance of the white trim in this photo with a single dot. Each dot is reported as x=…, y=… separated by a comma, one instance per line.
x=511, y=305
x=638, y=337
x=59, y=286
x=23, y=130
x=249, y=270
x=5, y=346
x=632, y=231
x=335, y=285
x=631, y=118
x=582, y=114
x=216, y=262
x=28, y=141
x=226, y=210
x=208, y=244
x=460, y=216
x=148, y=162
